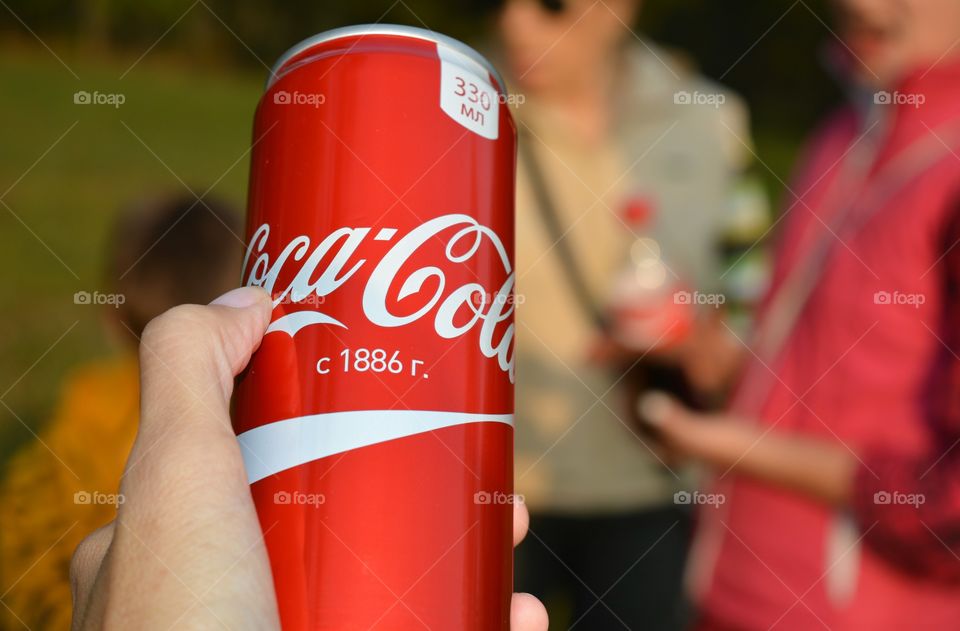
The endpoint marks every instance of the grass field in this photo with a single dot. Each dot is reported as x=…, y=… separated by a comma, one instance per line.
x=65, y=168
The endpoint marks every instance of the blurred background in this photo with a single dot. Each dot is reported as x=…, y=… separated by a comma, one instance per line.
x=191, y=73
x=182, y=79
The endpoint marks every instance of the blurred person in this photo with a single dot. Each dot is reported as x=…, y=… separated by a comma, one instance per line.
x=163, y=251
x=626, y=177
x=838, y=460
x=186, y=548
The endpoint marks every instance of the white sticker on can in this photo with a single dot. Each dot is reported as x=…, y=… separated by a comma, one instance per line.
x=466, y=94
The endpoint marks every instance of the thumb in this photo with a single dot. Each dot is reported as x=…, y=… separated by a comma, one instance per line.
x=671, y=421
x=188, y=358
x=190, y=354
x=659, y=410
x=184, y=488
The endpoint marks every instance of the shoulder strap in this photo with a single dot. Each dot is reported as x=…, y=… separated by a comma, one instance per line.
x=551, y=220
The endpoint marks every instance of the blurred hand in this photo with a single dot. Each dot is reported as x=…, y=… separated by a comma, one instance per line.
x=818, y=468
x=714, y=439
x=186, y=547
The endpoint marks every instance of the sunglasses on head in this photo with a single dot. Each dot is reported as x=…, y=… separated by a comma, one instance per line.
x=553, y=7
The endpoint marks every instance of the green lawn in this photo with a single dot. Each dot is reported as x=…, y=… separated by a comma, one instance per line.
x=198, y=122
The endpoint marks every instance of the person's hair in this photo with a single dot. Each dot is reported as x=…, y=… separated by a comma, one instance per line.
x=170, y=250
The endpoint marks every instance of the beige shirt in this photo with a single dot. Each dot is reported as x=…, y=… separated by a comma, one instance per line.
x=575, y=449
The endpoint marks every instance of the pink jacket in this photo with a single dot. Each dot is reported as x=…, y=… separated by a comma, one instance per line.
x=856, y=367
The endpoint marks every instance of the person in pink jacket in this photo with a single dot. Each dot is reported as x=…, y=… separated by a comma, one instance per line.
x=838, y=463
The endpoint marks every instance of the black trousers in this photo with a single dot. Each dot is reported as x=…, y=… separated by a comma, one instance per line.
x=608, y=571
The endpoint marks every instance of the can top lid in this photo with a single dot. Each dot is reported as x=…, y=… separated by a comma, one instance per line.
x=385, y=29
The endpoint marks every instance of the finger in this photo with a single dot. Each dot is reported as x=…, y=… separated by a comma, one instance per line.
x=185, y=444
x=521, y=521
x=84, y=566
x=185, y=479
x=674, y=424
x=716, y=439
x=658, y=408
x=188, y=358
x=527, y=614
x=190, y=354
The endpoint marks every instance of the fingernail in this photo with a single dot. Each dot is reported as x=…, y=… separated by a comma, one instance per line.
x=654, y=407
x=241, y=297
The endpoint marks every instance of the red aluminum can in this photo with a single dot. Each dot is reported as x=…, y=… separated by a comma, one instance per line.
x=376, y=418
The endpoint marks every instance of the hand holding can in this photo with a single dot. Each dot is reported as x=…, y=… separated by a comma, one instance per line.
x=187, y=527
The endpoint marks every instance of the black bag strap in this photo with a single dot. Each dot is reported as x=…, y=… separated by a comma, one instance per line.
x=551, y=220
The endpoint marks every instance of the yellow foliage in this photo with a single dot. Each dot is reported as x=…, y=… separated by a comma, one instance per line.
x=82, y=450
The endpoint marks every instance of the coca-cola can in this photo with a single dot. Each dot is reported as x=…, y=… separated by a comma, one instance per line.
x=376, y=417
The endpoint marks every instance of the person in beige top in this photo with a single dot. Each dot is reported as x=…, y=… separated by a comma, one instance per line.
x=627, y=148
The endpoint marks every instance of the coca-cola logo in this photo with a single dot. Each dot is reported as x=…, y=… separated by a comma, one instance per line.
x=455, y=310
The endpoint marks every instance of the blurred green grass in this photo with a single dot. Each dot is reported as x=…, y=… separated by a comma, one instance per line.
x=198, y=123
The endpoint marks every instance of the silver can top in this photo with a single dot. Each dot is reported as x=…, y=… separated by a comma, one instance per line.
x=387, y=29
